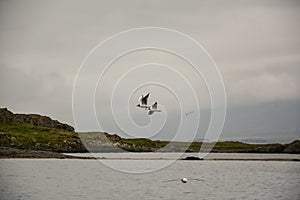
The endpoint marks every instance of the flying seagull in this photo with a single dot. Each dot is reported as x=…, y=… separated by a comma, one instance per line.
x=153, y=109
x=187, y=114
x=143, y=102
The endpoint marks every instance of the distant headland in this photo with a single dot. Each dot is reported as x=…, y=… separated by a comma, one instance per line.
x=37, y=136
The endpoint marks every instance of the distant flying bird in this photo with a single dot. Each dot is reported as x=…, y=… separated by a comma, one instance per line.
x=153, y=109
x=143, y=102
x=187, y=114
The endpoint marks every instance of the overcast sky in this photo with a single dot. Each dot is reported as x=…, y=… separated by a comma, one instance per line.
x=255, y=44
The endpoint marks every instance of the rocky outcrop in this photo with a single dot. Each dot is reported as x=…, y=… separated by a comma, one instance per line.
x=270, y=148
x=192, y=158
x=293, y=147
x=33, y=119
x=100, y=142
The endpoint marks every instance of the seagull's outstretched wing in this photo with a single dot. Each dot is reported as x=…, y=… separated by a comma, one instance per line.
x=144, y=99
x=140, y=98
x=154, y=106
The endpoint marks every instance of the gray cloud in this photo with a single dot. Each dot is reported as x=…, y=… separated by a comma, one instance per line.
x=256, y=45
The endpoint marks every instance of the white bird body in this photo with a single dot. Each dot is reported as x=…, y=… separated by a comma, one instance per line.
x=184, y=180
x=147, y=107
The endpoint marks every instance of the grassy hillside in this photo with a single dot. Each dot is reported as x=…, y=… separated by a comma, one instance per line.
x=29, y=137
x=26, y=136
x=147, y=145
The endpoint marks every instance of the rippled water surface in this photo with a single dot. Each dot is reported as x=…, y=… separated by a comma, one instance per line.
x=89, y=179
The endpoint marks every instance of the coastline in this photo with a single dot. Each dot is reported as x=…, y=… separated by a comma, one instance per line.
x=6, y=153
x=36, y=136
x=11, y=153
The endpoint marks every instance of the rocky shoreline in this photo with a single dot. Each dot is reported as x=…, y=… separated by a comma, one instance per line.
x=21, y=153
x=10, y=153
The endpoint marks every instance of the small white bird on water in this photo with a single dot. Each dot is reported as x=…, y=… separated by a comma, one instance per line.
x=184, y=180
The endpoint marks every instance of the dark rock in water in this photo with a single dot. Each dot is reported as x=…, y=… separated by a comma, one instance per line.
x=192, y=158
x=7, y=116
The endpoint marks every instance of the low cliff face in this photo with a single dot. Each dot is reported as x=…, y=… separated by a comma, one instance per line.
x=7, y=116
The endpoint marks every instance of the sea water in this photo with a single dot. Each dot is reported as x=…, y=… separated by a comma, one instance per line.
x=90, y=179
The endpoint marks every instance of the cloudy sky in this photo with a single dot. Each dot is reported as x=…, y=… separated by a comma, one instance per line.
x=255, y=44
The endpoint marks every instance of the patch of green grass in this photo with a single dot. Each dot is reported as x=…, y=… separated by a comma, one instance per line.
x=194, y=146
x=234, y=146
x=26, y=136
